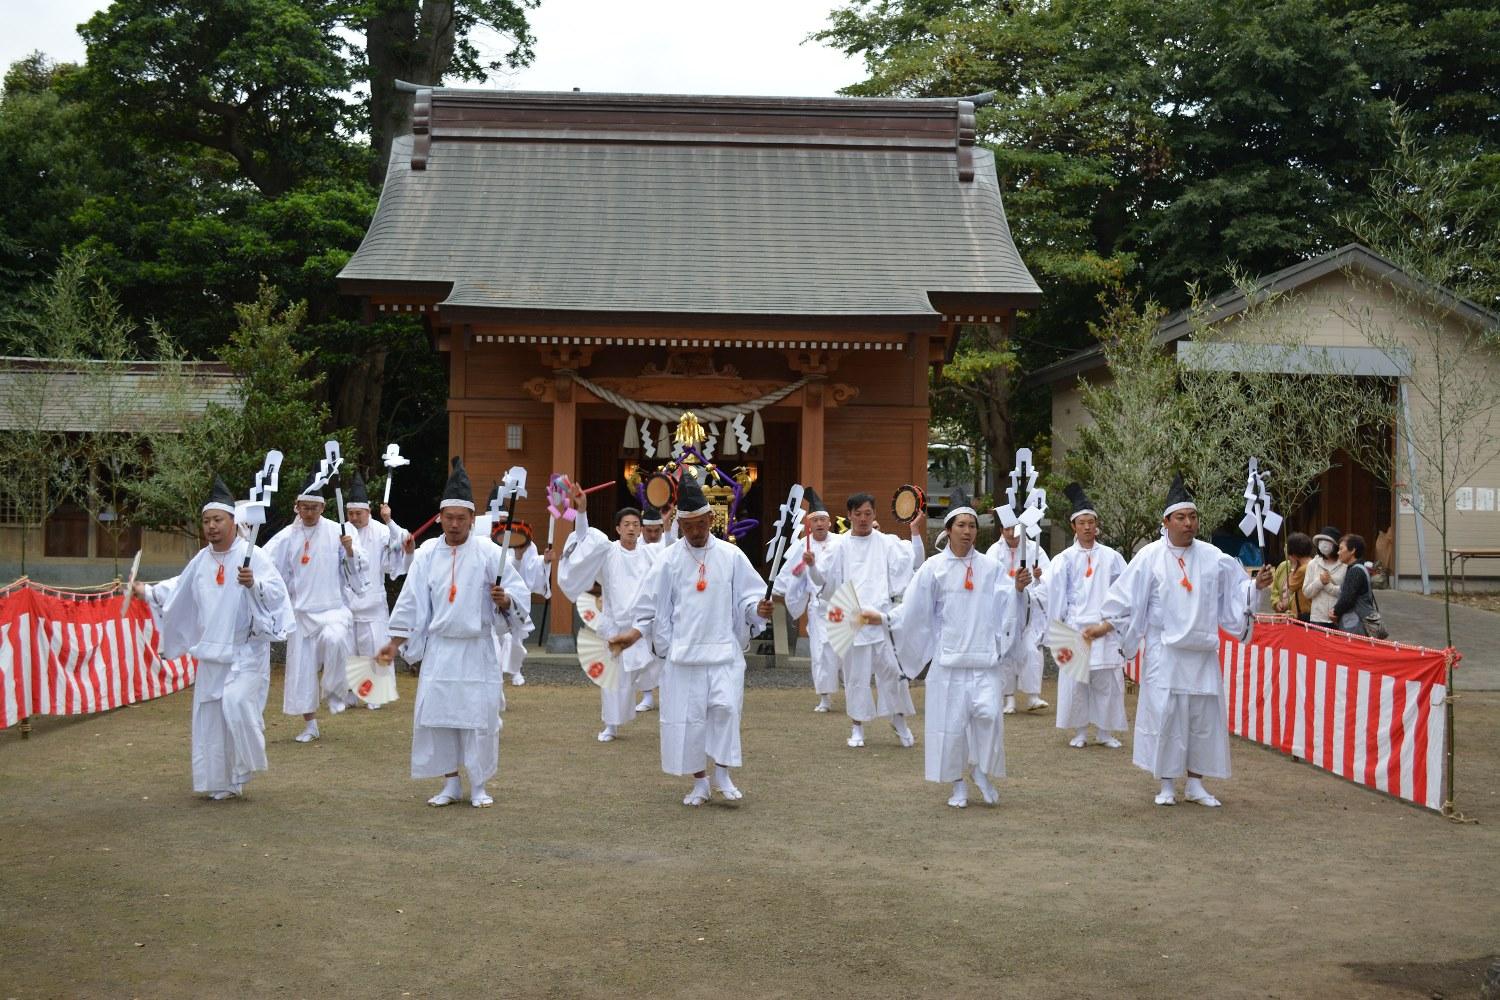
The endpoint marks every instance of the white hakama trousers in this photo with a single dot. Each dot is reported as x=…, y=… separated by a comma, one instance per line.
x=512, y=653
x=370, y=634
x=965, y=727
x=617, y=704
x=229, y=724
x=1177, y=732
x=1099, y=701
x=825, y=662
x=874, y=663
x=322, y=641
x=700, y=715
x=456, y=719
x=1024, y=672
x=647, y=677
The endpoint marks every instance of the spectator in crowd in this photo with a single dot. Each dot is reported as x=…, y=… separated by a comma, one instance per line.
x=1323, y=578
x=1356, y=597
x=1286, y=586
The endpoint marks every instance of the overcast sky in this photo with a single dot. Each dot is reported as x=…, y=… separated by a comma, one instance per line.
x=649, y=46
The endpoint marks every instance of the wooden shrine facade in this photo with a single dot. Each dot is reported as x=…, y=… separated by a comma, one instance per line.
x=581, y=256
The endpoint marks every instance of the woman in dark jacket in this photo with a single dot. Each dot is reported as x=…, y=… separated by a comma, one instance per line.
x=1355, y=594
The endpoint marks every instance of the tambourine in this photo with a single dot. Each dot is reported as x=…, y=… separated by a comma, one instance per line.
x=661, y=490
x=517, y=527
x=908, y=502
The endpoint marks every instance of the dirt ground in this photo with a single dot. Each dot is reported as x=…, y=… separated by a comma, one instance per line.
x=840, y=874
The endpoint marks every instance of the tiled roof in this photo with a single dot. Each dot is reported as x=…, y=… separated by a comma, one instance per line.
x=571, y=219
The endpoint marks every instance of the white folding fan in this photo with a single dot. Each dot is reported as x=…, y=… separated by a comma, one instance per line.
x=1070, y=650
x=597, y=662
x=374, y=682
x=842, y=618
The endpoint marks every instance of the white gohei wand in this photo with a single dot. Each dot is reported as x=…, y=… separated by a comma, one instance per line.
x=1259, y=517
x=393, y=460
x=1033, y=507
x=787, y=523
x=252, y=512
x=332, y=463
x=512, y=487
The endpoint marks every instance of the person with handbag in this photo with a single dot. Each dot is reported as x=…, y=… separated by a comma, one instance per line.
x=1355, y=610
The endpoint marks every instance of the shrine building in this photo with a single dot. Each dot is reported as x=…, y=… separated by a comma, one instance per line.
x=788, y=269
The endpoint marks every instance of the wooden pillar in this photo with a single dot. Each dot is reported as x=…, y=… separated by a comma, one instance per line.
x=458, y=382
x=810, y=463
x=559, y=638
x=922, y=349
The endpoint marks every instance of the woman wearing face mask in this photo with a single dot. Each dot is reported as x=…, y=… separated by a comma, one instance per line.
x=1324, y=577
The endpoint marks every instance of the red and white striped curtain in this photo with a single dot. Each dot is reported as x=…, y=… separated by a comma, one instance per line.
x=67, y=653
x=1370, y=711
x=1373, y=712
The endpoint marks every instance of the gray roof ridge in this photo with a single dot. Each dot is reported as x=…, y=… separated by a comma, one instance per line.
x=1229, y=303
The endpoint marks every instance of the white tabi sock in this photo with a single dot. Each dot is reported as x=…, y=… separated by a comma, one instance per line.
x=857, y=735
x=724, y=785
x=903, y=731
x=1080, y=738
x=699, y=793
x=989, y=791
x=647, y=702
x=453, y=787
x=479, y=798
x=825, y=702
x=309, y=732
x=960, y=796
x=1010, y=705
x=1195, y=792
x=1168, y=795
x=607, y=735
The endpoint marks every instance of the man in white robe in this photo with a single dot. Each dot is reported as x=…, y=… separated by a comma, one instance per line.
x=1023, y=668
x=225, y=608
x=1078, y=579
x=618, y=568
x=535, y=571
x=1177, y=593
x=698, y=607
x=387, y=548
x=318, y=562
x=795, y=587
x=446, y=616
x=880, y=566
x=959, y=613
x=658, y=527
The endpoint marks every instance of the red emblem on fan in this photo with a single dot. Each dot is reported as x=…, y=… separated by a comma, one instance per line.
x=1064, y=655
x=595, y=669
x=835, y=615
x=366, y=688
x=588, y=616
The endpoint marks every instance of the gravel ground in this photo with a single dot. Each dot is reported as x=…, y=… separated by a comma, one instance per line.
x=841, y=873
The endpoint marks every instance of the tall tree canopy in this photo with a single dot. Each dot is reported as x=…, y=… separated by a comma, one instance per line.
x=1160, y=142
x=203, y=149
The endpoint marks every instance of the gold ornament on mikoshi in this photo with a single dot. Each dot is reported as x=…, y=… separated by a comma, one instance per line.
x=689, y=430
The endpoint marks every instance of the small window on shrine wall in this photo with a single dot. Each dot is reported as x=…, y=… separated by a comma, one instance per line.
x=513, y=437
x=67, y=533
x=10, y=513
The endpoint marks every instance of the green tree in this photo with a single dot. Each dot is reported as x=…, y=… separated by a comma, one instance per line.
x=50, y=162
x=424, y=43
x=72, y=405
x=1262, y=394
x=277, y=409
x=247, y=130
x=1156, y=143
